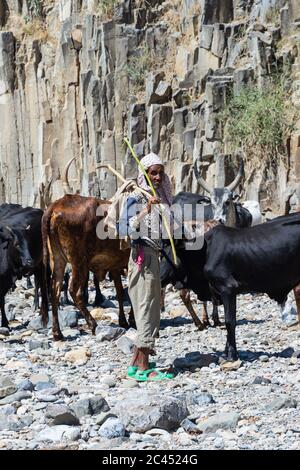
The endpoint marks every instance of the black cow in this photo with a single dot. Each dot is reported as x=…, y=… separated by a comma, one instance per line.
x=188, y=273
x=263, y=259
x=20, y=251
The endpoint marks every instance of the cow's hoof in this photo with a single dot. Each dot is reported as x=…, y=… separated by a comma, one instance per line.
x=231, y=357
x=132, y=324
x=217, y=323
x=200, y=326
x=124, y=324
x=59, y=337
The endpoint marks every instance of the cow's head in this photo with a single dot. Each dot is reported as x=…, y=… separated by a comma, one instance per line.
x=16, y=243
x=222, y=199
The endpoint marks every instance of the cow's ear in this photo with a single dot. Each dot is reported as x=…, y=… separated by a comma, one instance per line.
x=9, y=234
x=6, y=234
x=3, y=243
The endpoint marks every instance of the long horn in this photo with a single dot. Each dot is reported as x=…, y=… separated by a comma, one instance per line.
x=47, y=201
x=67, y=188
x=238, y=177
x=200, y=180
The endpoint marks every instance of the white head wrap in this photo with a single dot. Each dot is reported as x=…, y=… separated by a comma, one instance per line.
x=165, y=190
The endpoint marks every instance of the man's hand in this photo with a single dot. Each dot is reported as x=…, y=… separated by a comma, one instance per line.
x=152, y=200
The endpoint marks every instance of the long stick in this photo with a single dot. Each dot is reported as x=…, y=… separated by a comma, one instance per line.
x=161, y=207
x=118, y=175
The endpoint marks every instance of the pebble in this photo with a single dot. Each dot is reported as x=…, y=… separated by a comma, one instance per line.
x=250, y=404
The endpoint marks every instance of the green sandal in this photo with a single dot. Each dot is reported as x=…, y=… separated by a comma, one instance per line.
x=132, y=370
x=143, y=375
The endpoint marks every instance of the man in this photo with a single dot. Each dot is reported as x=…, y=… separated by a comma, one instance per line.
x=142, y=222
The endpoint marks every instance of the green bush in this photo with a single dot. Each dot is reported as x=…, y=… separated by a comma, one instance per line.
x=35, y=7
x=106, y=7
x=138, y=66
x=258, y=120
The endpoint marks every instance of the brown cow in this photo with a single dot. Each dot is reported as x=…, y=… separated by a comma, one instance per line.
x=69, y=236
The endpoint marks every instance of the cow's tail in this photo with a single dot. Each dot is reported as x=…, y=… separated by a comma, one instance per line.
x=46, y=266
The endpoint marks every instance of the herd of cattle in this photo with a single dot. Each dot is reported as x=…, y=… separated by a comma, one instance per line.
x=240, y=254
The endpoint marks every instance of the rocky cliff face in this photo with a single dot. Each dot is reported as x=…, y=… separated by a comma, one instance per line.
x=77, y=76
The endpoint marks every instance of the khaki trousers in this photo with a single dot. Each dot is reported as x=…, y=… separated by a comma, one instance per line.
x=144, y=293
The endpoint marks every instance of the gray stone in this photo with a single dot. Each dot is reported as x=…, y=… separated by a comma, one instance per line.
x=103, y=416
x=43, y=386
x=58, y=433
x=202, y=399
x=4, y=331
x=220, y=421
x=109, y=333
x=112, y=428
x=7, y=410
x=261, y=380
x=36, y=378
x=264, y=358
x=143, y=411
x=35, y=344
x=282, y=402
x=206, y=36
x=162, y=94
x=61, y=414
x=125, y=344
x=25, y=385
x=18, y=396
x=190, y=427
x=67, y=319
x=7, y=386
x=90, y=406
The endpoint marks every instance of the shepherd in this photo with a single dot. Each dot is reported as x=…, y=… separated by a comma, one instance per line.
x=142, y=222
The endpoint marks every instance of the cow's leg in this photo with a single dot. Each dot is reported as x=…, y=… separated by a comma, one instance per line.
x=99, y=297
x=162, y=299
x=4, y=321
x=116, y=276
x=78, y=280
x=215, y=315
x=56, y=287
x=41, y=282
x=36, y=292
x=229, y=302
x=186, y=299
x=297, y=299
x=205, y=319
x=65, y=300
x=86, y=291
x=28, y=283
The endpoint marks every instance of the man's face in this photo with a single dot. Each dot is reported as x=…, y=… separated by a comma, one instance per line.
x=156, y=175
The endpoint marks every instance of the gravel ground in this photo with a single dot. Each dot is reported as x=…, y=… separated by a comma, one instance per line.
x=76, y=395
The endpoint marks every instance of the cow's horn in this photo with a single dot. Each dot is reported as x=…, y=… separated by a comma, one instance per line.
x=66, y=185
x=47, y=201
x=200, y=180
x=28, y=227
x=9, y=229
x=238, y=177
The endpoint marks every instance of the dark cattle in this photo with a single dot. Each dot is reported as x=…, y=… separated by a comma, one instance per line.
x=69, y=224
x=20, y=251
x=176, y=275
x=188, y=275
x=263, y=259
x=224, y=207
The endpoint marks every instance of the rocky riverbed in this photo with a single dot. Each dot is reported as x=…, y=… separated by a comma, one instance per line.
x=76, y=395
